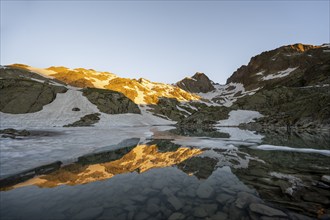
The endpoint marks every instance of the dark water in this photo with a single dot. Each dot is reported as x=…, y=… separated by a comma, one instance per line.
x=185, y=174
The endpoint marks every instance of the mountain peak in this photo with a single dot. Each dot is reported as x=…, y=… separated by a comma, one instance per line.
x=199, y=82
x=285, y=65
x=302, y=47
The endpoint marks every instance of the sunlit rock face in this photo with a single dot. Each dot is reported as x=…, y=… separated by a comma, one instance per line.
x=140, y=91
x=140, y=159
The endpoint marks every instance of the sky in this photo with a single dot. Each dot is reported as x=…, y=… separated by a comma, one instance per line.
x=163, y=41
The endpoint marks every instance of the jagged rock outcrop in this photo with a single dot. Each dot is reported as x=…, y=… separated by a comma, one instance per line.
x=171, y=108
x=110, y=102
x=196, y=84
x=206, y=116
x=291, y=66
x=19, y=96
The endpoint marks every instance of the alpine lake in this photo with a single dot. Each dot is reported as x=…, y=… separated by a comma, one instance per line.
x=167, y=173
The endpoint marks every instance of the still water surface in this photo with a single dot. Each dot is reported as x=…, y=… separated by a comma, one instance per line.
x=178, y=174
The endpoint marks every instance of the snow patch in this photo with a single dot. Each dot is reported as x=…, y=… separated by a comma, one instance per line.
x=98, y=83
x=237, y=117
x=315, y=86
x=279, y=74
x=132, y=120
x=260, y=73
x=224, y=96
x=41, y=71
x=238, y=134
x=183, y=110
x=139, y=99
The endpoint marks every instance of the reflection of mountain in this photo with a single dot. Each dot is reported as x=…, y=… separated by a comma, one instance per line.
x=141, y=158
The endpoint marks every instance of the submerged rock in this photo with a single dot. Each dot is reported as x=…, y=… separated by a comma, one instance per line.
x=200, y=212
x=177, y=216
x=266, y=210
x=90, y=213
x=205, y=191
x=220, y=216
x=175, y=202
x=325, y=179
x=244, y=199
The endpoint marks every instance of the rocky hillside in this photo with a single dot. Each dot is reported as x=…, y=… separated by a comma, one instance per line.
x=293, y=84
x=292, y=66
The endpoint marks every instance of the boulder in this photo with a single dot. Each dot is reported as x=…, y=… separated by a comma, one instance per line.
x=18, y=96
x=205, y=191
x=85, y=121
x=110, y=102
x=266, y=210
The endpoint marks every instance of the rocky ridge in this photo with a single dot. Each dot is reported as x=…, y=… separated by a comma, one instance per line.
x=288, y=85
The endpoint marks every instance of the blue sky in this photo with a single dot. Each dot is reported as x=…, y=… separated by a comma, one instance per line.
x=162, y=41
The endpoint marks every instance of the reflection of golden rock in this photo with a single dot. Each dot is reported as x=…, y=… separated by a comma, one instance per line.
x=140, y=159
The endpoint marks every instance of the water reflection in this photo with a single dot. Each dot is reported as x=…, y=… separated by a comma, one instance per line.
x=88, y=169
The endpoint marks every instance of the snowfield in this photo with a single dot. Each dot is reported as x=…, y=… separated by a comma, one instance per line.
x=226, y=94
x=59, y=113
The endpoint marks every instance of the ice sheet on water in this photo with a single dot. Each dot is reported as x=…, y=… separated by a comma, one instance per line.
x=17, y=155
x=291, y=149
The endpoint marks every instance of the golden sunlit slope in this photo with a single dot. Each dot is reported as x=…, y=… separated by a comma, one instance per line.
x=140, y=91
x=141, y=159
x=143, y=91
